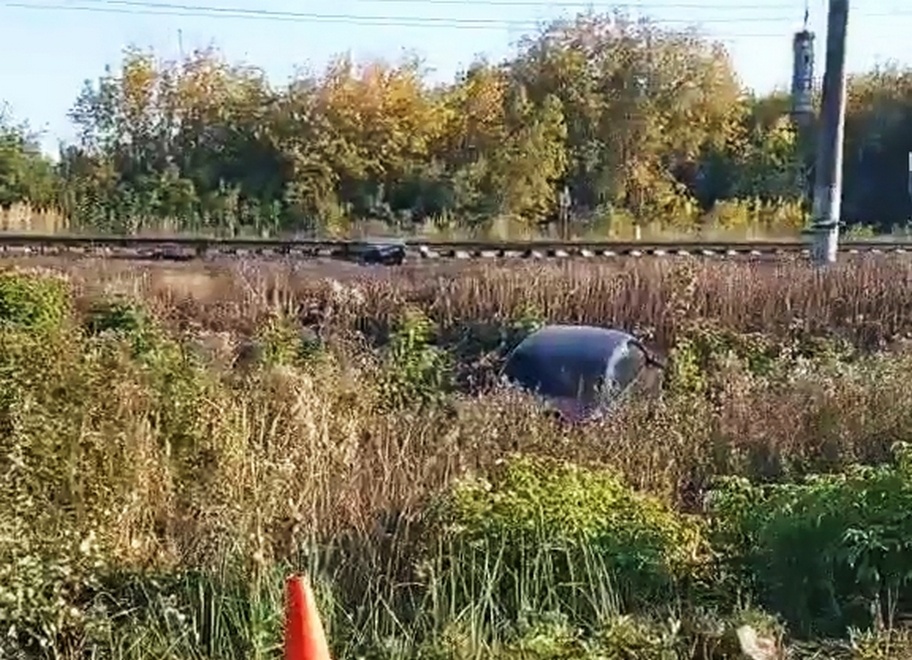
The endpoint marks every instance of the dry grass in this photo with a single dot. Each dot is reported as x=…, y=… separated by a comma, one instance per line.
x=867, y=300
x=23, y=218
x=868, y=303
x=258, y=463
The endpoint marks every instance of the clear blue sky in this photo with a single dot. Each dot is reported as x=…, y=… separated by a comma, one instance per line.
x=49, y=53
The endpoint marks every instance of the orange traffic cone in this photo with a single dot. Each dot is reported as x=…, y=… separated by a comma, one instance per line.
x=304, y=636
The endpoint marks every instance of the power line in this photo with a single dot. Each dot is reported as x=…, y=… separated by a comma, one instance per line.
x=292, y=15
x=581, y=4
x=295, y=16
x=148, y=8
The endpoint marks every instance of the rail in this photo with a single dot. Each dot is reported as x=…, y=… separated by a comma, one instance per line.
x=395, y=250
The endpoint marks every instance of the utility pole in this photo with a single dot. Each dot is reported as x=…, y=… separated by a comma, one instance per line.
x=565, y=204
x=828, y=180
x=910, y=186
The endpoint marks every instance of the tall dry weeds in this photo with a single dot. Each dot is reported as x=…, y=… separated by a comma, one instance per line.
x=866, y=299
x=288, y=451
x=171, y=463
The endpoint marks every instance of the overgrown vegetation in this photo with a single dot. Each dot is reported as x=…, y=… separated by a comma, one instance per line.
x=173, y=442
x=640, y=125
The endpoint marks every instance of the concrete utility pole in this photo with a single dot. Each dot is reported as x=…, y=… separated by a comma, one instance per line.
x=828, y=180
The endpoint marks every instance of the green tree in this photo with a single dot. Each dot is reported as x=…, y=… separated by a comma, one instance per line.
x=26, y=174
x=639, y=102
x=506, y=153
x=760, y=157
x=878, y=144
x=175, y=141
x=650, y=122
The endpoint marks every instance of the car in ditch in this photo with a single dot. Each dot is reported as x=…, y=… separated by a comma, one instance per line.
x=583, y=372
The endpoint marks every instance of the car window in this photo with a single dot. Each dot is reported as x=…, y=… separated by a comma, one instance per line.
x=579, y=378
x=626, y=365
x=563, y=376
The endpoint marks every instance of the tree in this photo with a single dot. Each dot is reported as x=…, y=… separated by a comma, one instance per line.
x=648, y=122
x=26, y=174
x=177, y=140
x=505, y=153
x=877, y=147
x=639, y=103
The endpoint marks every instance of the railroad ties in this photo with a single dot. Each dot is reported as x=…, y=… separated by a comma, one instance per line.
x=395, y=251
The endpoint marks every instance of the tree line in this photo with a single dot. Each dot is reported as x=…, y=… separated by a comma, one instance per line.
x=606, y=122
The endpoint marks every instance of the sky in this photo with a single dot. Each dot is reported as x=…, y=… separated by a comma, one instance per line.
x=51, y=47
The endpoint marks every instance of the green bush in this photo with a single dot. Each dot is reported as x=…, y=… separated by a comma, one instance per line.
x=174, y=380
x=415, y=372
x=47, y=591
x=552, y=636
x=123, y=318
x=832, y=552
x=33, y=300
x=48, y=390
x=283, y=342
x=70, y=468
x=544, y=535
x=617, y=638
x=194, y=614
x=705, y=352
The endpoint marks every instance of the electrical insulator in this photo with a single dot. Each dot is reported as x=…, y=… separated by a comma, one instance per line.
x=803, y=76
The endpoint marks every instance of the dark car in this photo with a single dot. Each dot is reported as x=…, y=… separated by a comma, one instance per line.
x=386, y=252
x=583, y=372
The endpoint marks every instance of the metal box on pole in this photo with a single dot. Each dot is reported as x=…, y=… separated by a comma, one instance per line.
x=803, y=78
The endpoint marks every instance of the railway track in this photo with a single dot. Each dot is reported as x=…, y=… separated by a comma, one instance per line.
x=393, y=251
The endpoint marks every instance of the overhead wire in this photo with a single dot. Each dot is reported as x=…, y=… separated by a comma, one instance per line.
x=293, y=15
x=150, y=8
x=582, y=4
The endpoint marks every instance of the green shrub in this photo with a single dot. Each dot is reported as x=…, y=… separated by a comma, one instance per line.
x=33, y=300
x=283, y=342
x=70, y=467
x=550, y=535
x=47, y=590
x=618, y=638
x=832, y=552
x=174, y=380
x=415, y=371
x=123, y=318
x=194, y=614
x=63, y=600
x=705, y=353
x=704, y=349
x=47, y=387
x=552, y=636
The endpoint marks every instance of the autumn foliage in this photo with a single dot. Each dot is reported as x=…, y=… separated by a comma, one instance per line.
x=639, y=125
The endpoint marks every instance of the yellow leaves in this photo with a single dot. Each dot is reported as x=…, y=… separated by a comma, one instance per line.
x=382, y=112
x=138, y=76
x=483, y=97
x=150, y=96
x=476, y=111
x=620, y=112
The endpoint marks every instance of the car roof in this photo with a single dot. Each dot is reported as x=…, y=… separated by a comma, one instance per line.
x=573, y=341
